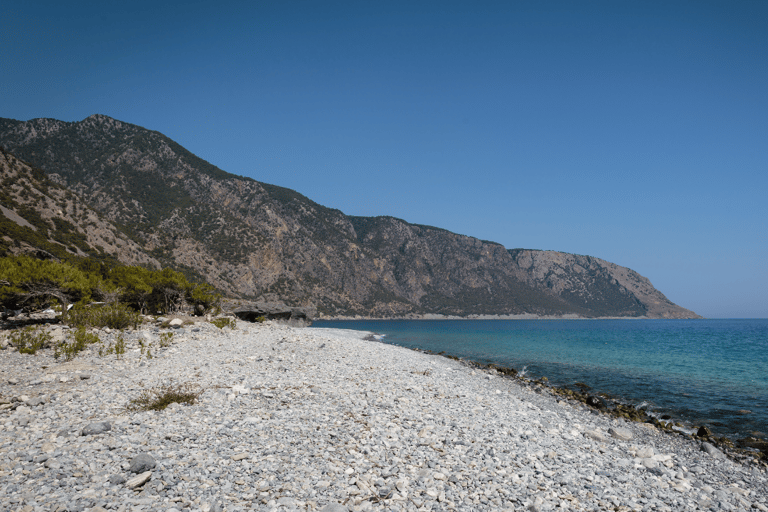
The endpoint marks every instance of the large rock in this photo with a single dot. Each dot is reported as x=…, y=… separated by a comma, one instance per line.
x=141, y=463
x=96, y=428
x=299, y=317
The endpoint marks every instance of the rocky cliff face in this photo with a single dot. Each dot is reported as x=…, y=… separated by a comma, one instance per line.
x=41, y=217
x=269, y=243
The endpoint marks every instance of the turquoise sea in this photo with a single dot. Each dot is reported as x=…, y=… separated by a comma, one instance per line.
x=698, y=372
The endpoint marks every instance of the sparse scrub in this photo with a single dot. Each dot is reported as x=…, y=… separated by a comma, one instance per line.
x=80, y=338
x=157, y=399
x=224, y=322
x=29, y=340
x=165, y=339
x=114, y=316
x=117, y=348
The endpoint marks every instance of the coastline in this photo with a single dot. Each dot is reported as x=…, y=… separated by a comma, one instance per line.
x=320, y=419
x=525, y=316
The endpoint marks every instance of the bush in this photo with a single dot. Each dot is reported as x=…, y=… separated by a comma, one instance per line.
x=35, y=283
x=204, y=299
x=79, y=341
x=29, y=340
x=159, y=398
x=224, y=322
x=117, y=348
x=114, y=316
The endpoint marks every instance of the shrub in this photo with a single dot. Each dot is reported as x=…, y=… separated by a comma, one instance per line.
x=157, y=399
x=117, y=348
x=29, y=340
x=80, y=338
x=33, y=282
x=114, y=316
x=224, y=322
x=165, y=339
x=204, y=299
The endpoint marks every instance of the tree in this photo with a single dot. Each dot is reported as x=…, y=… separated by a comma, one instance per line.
x=29, y=282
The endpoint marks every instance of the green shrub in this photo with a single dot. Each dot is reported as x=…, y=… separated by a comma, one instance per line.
x=117, y=348
x=165, y=339
x=29, y=340
x=35, y=283
x=161, y=397
x=79, y=340
x=114, y=316
x=224, y=322
x=204, y=299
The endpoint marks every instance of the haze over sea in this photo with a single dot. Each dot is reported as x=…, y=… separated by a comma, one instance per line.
x=699, y=372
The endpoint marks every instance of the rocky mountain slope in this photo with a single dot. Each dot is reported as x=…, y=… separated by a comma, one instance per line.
x=43, y=218
x=265, y=242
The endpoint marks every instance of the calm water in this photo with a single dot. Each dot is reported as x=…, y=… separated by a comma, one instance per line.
x=700, y=372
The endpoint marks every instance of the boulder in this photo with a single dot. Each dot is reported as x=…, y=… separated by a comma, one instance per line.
x=141, y=463
x=599, y=402
x=712, y=451
x=299, y=317
x=96, y=428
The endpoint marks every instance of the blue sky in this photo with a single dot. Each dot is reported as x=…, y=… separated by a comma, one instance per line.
x=634, y=131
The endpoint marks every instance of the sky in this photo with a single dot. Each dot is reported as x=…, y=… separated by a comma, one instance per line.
x=633, y=131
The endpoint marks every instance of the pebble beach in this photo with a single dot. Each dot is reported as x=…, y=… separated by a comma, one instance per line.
x=310, y=419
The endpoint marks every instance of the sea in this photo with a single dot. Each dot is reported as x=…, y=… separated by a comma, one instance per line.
x=695, y=372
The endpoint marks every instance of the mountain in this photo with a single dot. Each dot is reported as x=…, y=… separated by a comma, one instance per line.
x=43, y=218
x=261, y=241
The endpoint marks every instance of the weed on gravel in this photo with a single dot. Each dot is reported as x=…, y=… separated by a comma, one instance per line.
x=157, y=399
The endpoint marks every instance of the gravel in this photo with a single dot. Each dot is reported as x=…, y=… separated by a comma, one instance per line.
x=319, y=419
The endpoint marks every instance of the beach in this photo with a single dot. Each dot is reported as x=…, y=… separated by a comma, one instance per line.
x=325, y=419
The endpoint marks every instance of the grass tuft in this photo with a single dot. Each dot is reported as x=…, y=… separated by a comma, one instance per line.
x=157, y=399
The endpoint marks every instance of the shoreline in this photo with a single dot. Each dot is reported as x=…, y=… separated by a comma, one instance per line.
x=320, y=419
x=665, y=419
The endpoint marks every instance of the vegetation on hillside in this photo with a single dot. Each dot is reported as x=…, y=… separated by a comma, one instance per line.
x=30, y=283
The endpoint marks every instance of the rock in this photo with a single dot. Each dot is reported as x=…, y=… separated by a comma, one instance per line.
x=298, y=317
x=141, y=463
x=620, y=433
x=596, y=435
x=599, y=402
x=176, y=323
x=139, y=480
x=757, y=444
x=704, y=432
x=96, y=428
x=712, y=451
x=645, y=452
x=52, y=464
x=34, y=402
x=334, y=507
x=116, y=479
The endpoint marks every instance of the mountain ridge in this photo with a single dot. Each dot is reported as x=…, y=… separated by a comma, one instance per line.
x=260, y=241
